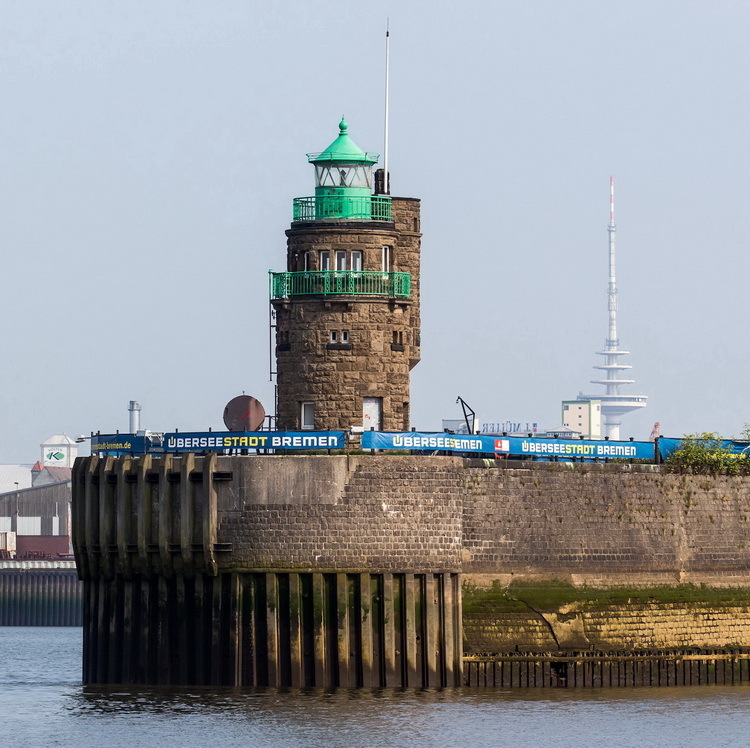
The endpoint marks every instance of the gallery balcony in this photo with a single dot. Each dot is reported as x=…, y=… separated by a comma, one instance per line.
x=342, y=207
x=340, y=283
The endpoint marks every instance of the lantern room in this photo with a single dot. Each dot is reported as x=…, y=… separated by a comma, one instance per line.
x=343, y=184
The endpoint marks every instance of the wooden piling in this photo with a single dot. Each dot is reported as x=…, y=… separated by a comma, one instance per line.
x=369, y=678
x=272, y=627
x=346, y=675
x=320, y=622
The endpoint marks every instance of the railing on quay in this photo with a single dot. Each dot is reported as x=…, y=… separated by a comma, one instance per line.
x=482, y=446
x=599, y=669
x=355, y=207
x=346, y=282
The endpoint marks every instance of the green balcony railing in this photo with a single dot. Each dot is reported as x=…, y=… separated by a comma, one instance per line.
x=322, y=207
x=348, y=283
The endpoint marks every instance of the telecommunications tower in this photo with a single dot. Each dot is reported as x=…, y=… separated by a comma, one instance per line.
x=613, y=403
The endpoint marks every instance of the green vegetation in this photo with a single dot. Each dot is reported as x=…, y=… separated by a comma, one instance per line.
x=706, y=454
x=550, y=596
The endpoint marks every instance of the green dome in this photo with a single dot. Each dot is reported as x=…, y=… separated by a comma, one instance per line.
x=343, y=150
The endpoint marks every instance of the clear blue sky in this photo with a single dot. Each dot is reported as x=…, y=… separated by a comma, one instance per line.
x=150, y=152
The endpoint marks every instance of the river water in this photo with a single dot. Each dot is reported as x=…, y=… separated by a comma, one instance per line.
x=42, y=703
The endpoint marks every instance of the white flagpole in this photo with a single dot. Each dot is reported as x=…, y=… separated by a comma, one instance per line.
x=386, y=180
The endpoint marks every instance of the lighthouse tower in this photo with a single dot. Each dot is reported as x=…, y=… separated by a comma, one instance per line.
x=346, y=309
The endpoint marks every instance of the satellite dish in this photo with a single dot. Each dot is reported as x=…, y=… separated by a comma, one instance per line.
x=244, y=413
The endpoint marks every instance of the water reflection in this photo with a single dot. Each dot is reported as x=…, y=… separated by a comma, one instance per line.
x=44, y=704
x=690, y=716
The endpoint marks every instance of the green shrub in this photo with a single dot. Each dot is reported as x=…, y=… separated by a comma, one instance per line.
x=705, y=454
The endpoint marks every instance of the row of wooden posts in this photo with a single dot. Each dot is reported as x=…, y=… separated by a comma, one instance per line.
x=297, y=630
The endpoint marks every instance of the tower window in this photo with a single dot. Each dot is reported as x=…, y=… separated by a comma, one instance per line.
x=325, y=260
x=340, y=259
x=357, y=259
x=306, y=261
x=339, y=336
x=385, y=259
x=338, y=340
x=307, y=416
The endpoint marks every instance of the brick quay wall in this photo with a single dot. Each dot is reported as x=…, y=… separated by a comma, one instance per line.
x=585, y=524
x=551, y=557
x=342, y=514
x=512, y=527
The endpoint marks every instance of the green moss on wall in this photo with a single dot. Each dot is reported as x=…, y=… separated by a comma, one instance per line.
x=548, y=596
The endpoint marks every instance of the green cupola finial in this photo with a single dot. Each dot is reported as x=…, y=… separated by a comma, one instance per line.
x=343, y=150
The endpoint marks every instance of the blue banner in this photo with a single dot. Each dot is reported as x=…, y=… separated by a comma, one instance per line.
x=667, y=446
x=508, y=446
x=589, y=449
x=120, y=443
x=221, y=440
x=427, y=442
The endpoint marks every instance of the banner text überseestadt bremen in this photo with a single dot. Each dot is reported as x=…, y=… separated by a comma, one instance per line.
x=218, y=440
x=416, y=440
x=511, y=446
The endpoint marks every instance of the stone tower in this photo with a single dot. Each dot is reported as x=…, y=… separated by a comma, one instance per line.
x=347, y=307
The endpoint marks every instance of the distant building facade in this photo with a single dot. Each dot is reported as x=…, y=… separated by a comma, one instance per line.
x=583, y=417
x=35, y=503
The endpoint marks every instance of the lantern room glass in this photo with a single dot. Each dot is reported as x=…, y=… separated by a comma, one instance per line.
x=343, y=175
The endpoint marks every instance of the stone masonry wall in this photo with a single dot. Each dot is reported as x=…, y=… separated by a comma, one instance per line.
x=596, y=523
x=406, y=216
x=626, y=626
x=337, y=378
x=365, y=516
x=383, y=333
x=552, y=556
x=499, y=524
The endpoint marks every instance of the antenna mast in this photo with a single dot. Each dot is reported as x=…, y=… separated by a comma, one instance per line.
x=612, y=341
x=386, y=179
x=614, y=404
